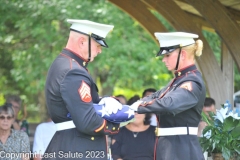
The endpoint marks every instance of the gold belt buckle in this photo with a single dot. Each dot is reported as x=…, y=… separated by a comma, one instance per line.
x=157, y=133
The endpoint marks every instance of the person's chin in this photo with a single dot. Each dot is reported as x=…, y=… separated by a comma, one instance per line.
x=167, y=67
x=93, y=58
x=6, y=127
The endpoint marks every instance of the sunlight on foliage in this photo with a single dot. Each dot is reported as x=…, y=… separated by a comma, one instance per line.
x=2, y=99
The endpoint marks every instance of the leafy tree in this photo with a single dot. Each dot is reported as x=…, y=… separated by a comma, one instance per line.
x=34, y=32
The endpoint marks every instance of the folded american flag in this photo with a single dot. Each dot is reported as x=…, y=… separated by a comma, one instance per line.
x=123, y=115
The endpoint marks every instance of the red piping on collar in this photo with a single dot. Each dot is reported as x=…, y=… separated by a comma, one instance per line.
x=77, y=55
x=183, y=68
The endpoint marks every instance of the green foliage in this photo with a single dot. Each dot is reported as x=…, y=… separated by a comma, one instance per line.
x=236, y=79
x=2, y=100
x=163, y=21
x=215, y=43
x=37, y=34
x=34, y=32
x=130, y=61
x=221, y=137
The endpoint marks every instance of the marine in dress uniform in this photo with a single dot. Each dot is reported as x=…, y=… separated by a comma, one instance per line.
x=178, y=105
x=70, y=89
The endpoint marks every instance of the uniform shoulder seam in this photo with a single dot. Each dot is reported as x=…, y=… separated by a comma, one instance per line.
x=69, y=58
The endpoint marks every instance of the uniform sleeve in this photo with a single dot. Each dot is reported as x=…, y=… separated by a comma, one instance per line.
x=76, y=92
x=185, y=96
x=38, y=146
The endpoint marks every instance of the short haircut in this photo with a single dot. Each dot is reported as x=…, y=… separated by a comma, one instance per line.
x=14, y=98
x=7, y=109
x=148, y=90
x=147, y=119
x=122, y=96
x=133, y=99
x=209, y=101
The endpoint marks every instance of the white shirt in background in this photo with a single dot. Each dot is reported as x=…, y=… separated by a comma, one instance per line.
x=153, y=120
x=43, y=135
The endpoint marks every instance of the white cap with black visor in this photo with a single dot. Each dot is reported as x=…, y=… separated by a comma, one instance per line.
x=94, y=30
x=171, y=41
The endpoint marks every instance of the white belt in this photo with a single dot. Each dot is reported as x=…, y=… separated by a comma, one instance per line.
x=176, y=131
x=65, y=125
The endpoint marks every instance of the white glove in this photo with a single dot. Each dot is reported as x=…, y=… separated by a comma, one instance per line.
x=111, y=105
x=135, y=105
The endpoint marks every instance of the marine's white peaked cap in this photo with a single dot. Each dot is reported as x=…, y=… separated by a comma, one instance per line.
x=175, y=38
x=89, y=27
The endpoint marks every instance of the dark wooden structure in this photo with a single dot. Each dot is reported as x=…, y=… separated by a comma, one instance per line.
x=220, y=16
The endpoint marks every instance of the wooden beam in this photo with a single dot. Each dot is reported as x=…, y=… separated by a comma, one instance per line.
x=186, y=7
x=138, y=11
x=227, y=65
x=207, y=63
x=226, y=27
x=230, y=2
x=201, y=22
x=198, y=20
x=235, y=14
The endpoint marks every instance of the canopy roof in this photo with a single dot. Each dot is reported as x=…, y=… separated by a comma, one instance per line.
x=220, y=16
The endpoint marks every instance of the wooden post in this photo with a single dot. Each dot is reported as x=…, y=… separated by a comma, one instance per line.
x=223, y=22
x=227, y=65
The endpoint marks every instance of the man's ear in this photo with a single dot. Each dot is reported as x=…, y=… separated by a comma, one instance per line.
x=81, y=41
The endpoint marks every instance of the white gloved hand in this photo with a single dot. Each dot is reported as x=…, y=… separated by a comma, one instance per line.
x=135, y=105
x=111, y=105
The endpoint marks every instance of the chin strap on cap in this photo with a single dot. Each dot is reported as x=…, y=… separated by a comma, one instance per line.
x=89, y=47
x=176, y=68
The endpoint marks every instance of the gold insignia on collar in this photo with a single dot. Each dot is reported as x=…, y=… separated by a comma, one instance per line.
x=179, y=73
x=84, y=63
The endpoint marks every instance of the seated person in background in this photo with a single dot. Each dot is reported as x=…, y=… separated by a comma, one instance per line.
x=146, y=93
x=16, y=102
x=133, y=99
x=136, y=140
x=41, y=139
x=122, y=99
x=11, y=140
x=209, y=106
